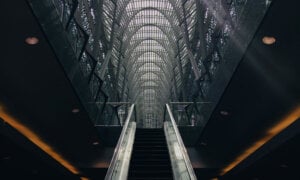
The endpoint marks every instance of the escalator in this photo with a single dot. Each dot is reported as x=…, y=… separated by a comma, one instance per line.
x=150, y=154
x=150, y=157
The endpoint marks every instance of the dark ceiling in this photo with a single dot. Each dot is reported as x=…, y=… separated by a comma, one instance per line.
x=281, y=163
x=34, y=88
x=264, y=89
x=27, y=162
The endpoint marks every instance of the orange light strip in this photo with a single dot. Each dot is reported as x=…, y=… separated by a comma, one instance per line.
x=270, y=133
x=35, y=139
x=83, y=178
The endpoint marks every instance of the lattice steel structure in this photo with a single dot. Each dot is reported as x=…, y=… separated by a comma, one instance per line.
x=156, y=44
x=151, y=52
x=145, y=36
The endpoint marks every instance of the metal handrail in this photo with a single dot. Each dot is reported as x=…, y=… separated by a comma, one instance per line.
x=117, y=149
x=181, y=145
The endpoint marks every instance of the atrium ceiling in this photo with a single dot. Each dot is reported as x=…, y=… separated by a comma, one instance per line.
x=153, y=52
x=164, y=50
x=144, y=42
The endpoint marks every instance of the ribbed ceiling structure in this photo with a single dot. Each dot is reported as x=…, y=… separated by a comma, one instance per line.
x=153, y=52
x=144, y=36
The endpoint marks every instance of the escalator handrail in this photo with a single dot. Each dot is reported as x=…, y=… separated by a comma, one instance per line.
x=181, y=145
x=114, y=159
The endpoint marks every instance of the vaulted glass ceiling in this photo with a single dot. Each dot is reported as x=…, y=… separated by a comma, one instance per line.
x=144, y=36
x=152, y=52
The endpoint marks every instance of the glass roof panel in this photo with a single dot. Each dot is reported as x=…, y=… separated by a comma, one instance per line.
x=150, y=52
x=149, y=31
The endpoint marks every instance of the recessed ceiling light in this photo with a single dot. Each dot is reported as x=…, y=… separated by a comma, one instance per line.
x=32, y=40
x=95, y=143
x=268, y=40
x=224, y=113
x=75, y=110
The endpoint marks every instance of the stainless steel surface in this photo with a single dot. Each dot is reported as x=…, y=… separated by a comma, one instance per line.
x=113, y=168
x=180, y=146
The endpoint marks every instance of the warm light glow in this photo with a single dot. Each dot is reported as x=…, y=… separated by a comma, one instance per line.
x=270, y=133
x=84, y=178
x=35, y=139
x=268, y=40
x=32, y=40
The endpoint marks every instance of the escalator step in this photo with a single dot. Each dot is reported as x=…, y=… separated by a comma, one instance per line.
x=150, y=157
